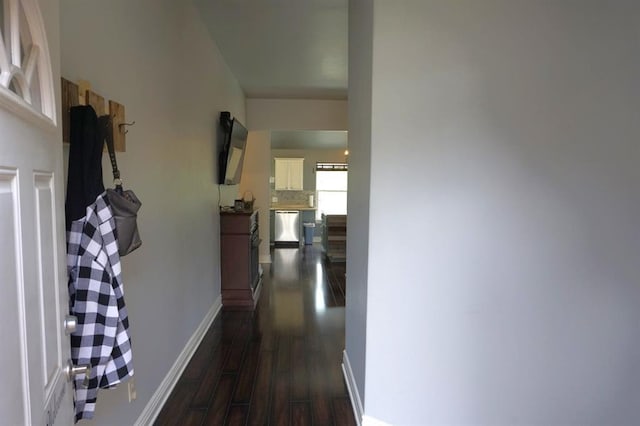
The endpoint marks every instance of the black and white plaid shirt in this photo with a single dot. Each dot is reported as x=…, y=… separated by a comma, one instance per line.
x=96, y=299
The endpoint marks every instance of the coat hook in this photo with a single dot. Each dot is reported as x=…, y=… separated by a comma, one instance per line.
x=121, y=125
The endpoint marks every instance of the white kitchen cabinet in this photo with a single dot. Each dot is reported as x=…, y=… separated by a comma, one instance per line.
x=289, y=173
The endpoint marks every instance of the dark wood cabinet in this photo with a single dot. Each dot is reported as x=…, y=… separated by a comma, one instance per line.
x=240, y=270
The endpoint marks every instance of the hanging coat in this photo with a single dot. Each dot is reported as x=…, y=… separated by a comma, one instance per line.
x=84, y=177
x=96, y=296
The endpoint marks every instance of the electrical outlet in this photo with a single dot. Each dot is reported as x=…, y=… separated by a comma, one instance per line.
x=274, y=199
x=272, y=179
x=133, y=394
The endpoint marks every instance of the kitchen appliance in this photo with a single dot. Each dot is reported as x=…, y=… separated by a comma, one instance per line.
x=287, y=226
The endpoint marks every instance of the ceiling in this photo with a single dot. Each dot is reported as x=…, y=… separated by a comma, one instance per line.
x=285, y=49
x=282, y=48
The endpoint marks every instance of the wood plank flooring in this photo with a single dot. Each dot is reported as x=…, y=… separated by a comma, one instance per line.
x=277, y=365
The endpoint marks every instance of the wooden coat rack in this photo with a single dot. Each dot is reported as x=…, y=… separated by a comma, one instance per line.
x=81, y=94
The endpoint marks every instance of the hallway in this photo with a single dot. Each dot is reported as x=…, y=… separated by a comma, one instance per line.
x=278, y=365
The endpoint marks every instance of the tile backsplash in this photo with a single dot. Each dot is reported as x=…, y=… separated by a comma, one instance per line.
x=293, y=198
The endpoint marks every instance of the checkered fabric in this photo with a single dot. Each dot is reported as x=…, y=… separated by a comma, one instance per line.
x=96, y=298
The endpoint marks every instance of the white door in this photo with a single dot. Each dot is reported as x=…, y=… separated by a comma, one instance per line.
x=34, y=301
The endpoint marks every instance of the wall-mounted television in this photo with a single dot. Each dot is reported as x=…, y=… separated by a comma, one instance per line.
x=234, y=145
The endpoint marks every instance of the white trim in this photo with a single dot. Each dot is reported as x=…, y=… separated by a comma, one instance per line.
x=19, y=107
x=265, y=258
x=356, y=402
x=155, y=404
x=45, y=117
x=10, y=178
x=371, y=421
x=39, y=37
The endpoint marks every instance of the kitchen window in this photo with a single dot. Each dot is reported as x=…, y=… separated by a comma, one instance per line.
x=331, y=187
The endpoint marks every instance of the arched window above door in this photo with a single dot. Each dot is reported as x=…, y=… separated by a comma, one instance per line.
x=26, y=81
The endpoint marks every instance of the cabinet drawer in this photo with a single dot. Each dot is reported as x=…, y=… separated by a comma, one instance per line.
x=238, y=223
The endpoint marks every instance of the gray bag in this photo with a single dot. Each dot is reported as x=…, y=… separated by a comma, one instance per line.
x=124, y=205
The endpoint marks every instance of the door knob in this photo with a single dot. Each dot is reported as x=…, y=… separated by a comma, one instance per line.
x=71, y=371
x=70, y=324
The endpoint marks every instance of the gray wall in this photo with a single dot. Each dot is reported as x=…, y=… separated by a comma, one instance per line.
x=505, y=291
x=156, y=58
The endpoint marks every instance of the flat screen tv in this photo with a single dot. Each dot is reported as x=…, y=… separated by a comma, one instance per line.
x=233, y=148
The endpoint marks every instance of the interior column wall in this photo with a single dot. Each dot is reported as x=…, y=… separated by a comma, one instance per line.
x=358, y=223
x=505, y=289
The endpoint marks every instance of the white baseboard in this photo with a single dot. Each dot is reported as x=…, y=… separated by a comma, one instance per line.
x=370, y=421
x=354, y=395
x=265, y=258
x=155, y=404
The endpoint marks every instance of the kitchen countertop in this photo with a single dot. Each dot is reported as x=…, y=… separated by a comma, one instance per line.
x=291, y=207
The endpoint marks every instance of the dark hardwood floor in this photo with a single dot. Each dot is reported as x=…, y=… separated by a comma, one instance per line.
x=277, y=365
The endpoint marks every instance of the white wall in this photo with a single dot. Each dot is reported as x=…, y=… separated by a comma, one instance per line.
x=505, y=291
x=296, y=114
x=156, y=58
